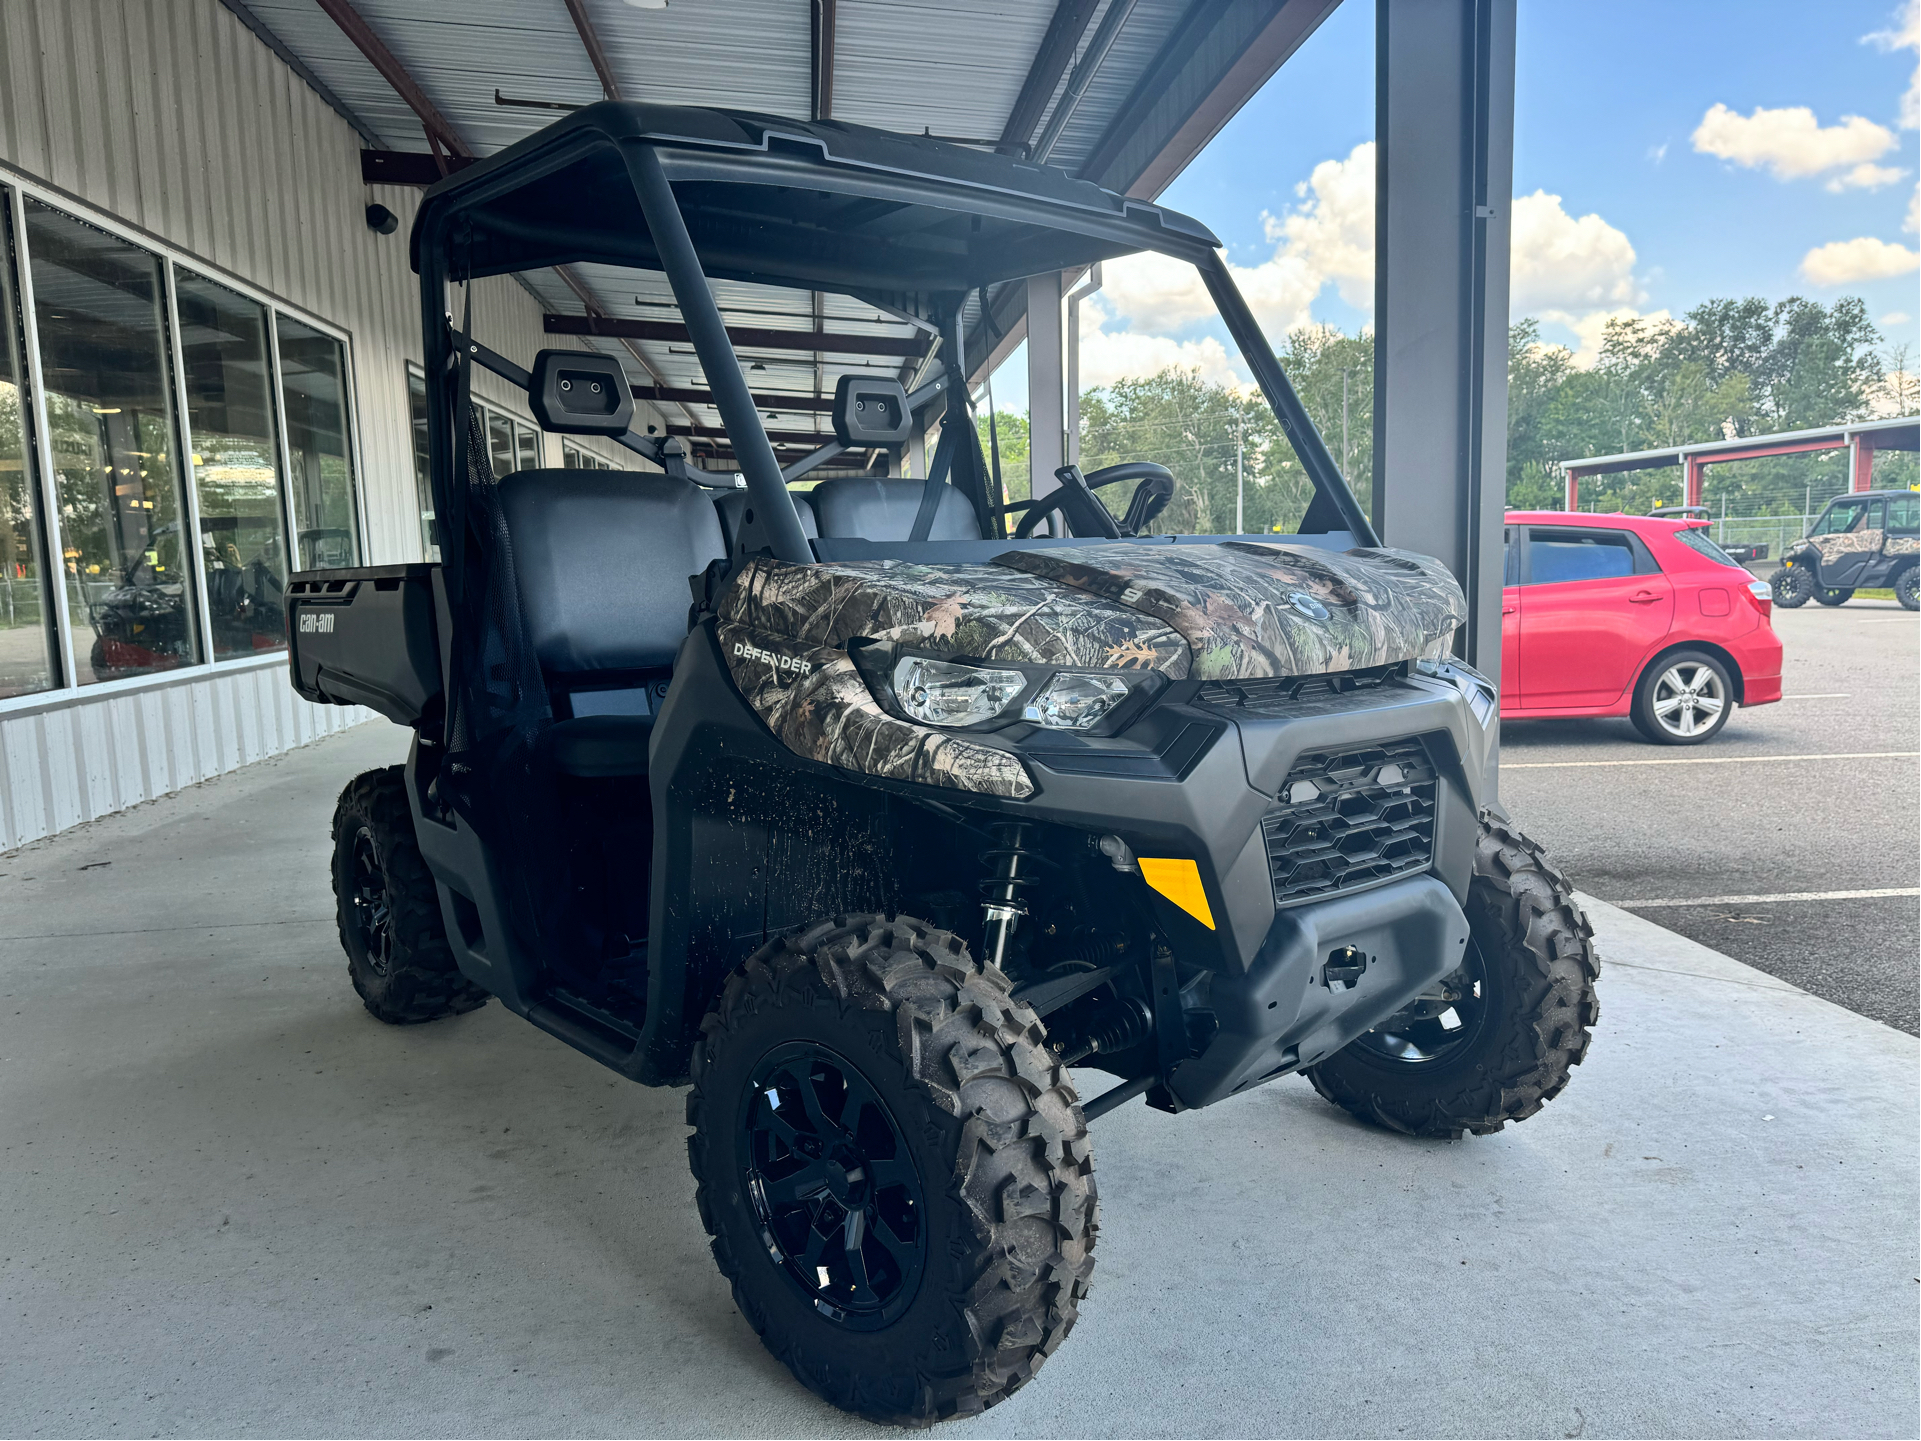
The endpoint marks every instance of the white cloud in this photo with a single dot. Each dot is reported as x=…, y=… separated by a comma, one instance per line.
x=1563, y=263
x=1913, y=221
x=1865, y=176
x=1108, y=356
x=1904, y=34
x=1658, y=153
x=1790, y=142
x=1895, y=317
x=1591, y=328
x=1846, y=262
x=1326, y=239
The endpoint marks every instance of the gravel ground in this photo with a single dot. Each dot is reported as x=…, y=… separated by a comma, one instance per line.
x=1760, y=826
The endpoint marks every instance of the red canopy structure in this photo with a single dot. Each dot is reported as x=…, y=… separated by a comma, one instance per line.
x=1862, y=439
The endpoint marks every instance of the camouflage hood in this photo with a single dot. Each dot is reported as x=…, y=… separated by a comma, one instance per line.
x=1230, y=611
x=1209, y=611
x=1248, y=609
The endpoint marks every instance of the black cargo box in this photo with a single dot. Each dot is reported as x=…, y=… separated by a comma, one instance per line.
x=368, y=636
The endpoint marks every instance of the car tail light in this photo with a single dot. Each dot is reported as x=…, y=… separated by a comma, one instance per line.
x=1762, y=594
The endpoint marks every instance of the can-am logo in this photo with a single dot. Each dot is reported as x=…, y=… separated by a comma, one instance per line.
x=1307, y=605
x=747, y=650
x=316, y=620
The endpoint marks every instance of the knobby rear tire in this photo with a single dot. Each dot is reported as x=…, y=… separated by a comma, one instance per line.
x=418, y=980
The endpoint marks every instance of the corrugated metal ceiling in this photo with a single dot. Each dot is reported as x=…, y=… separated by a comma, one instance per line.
x=954, y=68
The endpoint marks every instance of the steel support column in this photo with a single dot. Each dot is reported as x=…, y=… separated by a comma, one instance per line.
x=1860, y=462
x=1046, y=424
x=1444, y=126
x=1695, y=478
x=1573, y=490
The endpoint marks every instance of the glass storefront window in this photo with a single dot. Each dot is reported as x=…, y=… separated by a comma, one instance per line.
x=26, y=629
x=236, y=474
x=320, y=461
x=423, y=477
x=500, y=443
x=99, y=310
x=527, y=447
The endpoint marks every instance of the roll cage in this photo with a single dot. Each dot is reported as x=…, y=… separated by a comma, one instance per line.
x=912, y=224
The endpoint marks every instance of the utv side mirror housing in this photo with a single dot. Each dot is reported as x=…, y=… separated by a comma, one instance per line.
x=870, y=411
x=576, y=392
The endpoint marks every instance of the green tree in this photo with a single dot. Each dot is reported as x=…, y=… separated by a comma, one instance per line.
x=1009, y=430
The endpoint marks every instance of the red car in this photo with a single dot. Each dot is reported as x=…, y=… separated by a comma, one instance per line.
x=1628, y=615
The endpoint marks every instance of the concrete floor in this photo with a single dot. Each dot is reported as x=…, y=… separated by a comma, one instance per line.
x=236, y=1205
x=1731, y=818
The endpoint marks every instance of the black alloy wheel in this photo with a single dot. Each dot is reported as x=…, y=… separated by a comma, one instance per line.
x=833, y=1185
x=1792, y=586
x=388, y=911
x=1907, y=588
x=1835, y=596
x=1442, y=1022
x=371, y=912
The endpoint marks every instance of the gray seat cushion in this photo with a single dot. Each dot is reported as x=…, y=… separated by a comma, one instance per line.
x=602, y=558
x=878, y=509
x=735, y=506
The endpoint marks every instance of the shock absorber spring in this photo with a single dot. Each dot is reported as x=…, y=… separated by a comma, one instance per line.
x=1009, y=864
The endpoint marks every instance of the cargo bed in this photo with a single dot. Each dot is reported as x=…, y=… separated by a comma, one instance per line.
x=370, y=635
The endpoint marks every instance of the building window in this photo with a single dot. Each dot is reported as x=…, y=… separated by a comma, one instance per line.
x=228, y=377
x=313, y=370
x=575, y=457
x=100, y=318
x=423, y=475
x=26, y=627
x=512, y=444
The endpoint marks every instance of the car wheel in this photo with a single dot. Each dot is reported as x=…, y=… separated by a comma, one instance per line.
x=1834, y=597
x=1792, y=587
x=1907, y=588
x=1683, y=698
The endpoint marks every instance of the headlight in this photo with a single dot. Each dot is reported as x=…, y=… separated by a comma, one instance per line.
x=1075, y=701
x=946, y=693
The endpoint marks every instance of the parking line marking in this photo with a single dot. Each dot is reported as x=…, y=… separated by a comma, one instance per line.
x=1709, y=760
x=1824, y=695
x=1771, y=900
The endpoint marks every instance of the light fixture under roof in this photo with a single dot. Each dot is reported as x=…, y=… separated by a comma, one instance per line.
x=648, y=4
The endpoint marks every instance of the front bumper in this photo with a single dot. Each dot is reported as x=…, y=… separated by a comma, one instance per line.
x=1286, y=1011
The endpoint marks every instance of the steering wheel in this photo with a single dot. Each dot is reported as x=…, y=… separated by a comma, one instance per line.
x=1085, y=515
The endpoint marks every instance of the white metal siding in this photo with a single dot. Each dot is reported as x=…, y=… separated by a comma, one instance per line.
x=170, y=116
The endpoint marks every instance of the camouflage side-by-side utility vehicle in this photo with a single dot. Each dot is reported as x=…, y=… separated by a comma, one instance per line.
x=873, y=808
x=1864, y=541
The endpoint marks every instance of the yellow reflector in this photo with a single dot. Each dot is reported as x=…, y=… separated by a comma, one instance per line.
x=1180, y=882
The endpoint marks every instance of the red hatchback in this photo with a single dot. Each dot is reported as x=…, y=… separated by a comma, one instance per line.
x=1628, y=615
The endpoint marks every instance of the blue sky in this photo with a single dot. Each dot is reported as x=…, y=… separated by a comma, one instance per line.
x=1609, y=99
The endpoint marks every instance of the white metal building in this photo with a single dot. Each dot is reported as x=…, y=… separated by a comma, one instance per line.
x=208, y=333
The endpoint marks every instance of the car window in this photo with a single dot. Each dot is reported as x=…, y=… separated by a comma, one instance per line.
x=1840, y=519
x=1510, y=559
x=1874, y=517
x=1904, y=514
x=1556, y=554
x=1696, y=538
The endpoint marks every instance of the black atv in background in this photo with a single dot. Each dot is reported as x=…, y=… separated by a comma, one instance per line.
x=1869, y=540
x=869, y=811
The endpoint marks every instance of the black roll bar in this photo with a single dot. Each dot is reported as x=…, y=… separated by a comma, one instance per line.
x=701, y=315
x=1329, y=484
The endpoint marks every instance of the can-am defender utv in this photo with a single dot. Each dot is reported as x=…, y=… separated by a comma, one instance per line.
x=1858, y=542
x=907, y=814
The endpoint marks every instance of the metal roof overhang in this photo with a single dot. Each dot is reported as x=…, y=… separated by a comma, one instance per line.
x=1903, y=433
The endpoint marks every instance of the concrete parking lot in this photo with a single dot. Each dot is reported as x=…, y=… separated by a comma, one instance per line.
x=1815, y=795
x=237, y=1205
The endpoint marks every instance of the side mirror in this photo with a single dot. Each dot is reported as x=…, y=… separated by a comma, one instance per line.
x=870, y=411
x=576, y=392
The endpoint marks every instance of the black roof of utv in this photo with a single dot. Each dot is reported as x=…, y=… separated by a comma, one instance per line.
x=818, y=204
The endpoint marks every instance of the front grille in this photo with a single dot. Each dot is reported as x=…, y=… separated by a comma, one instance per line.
x=1291, y=694
x=1350, y=818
